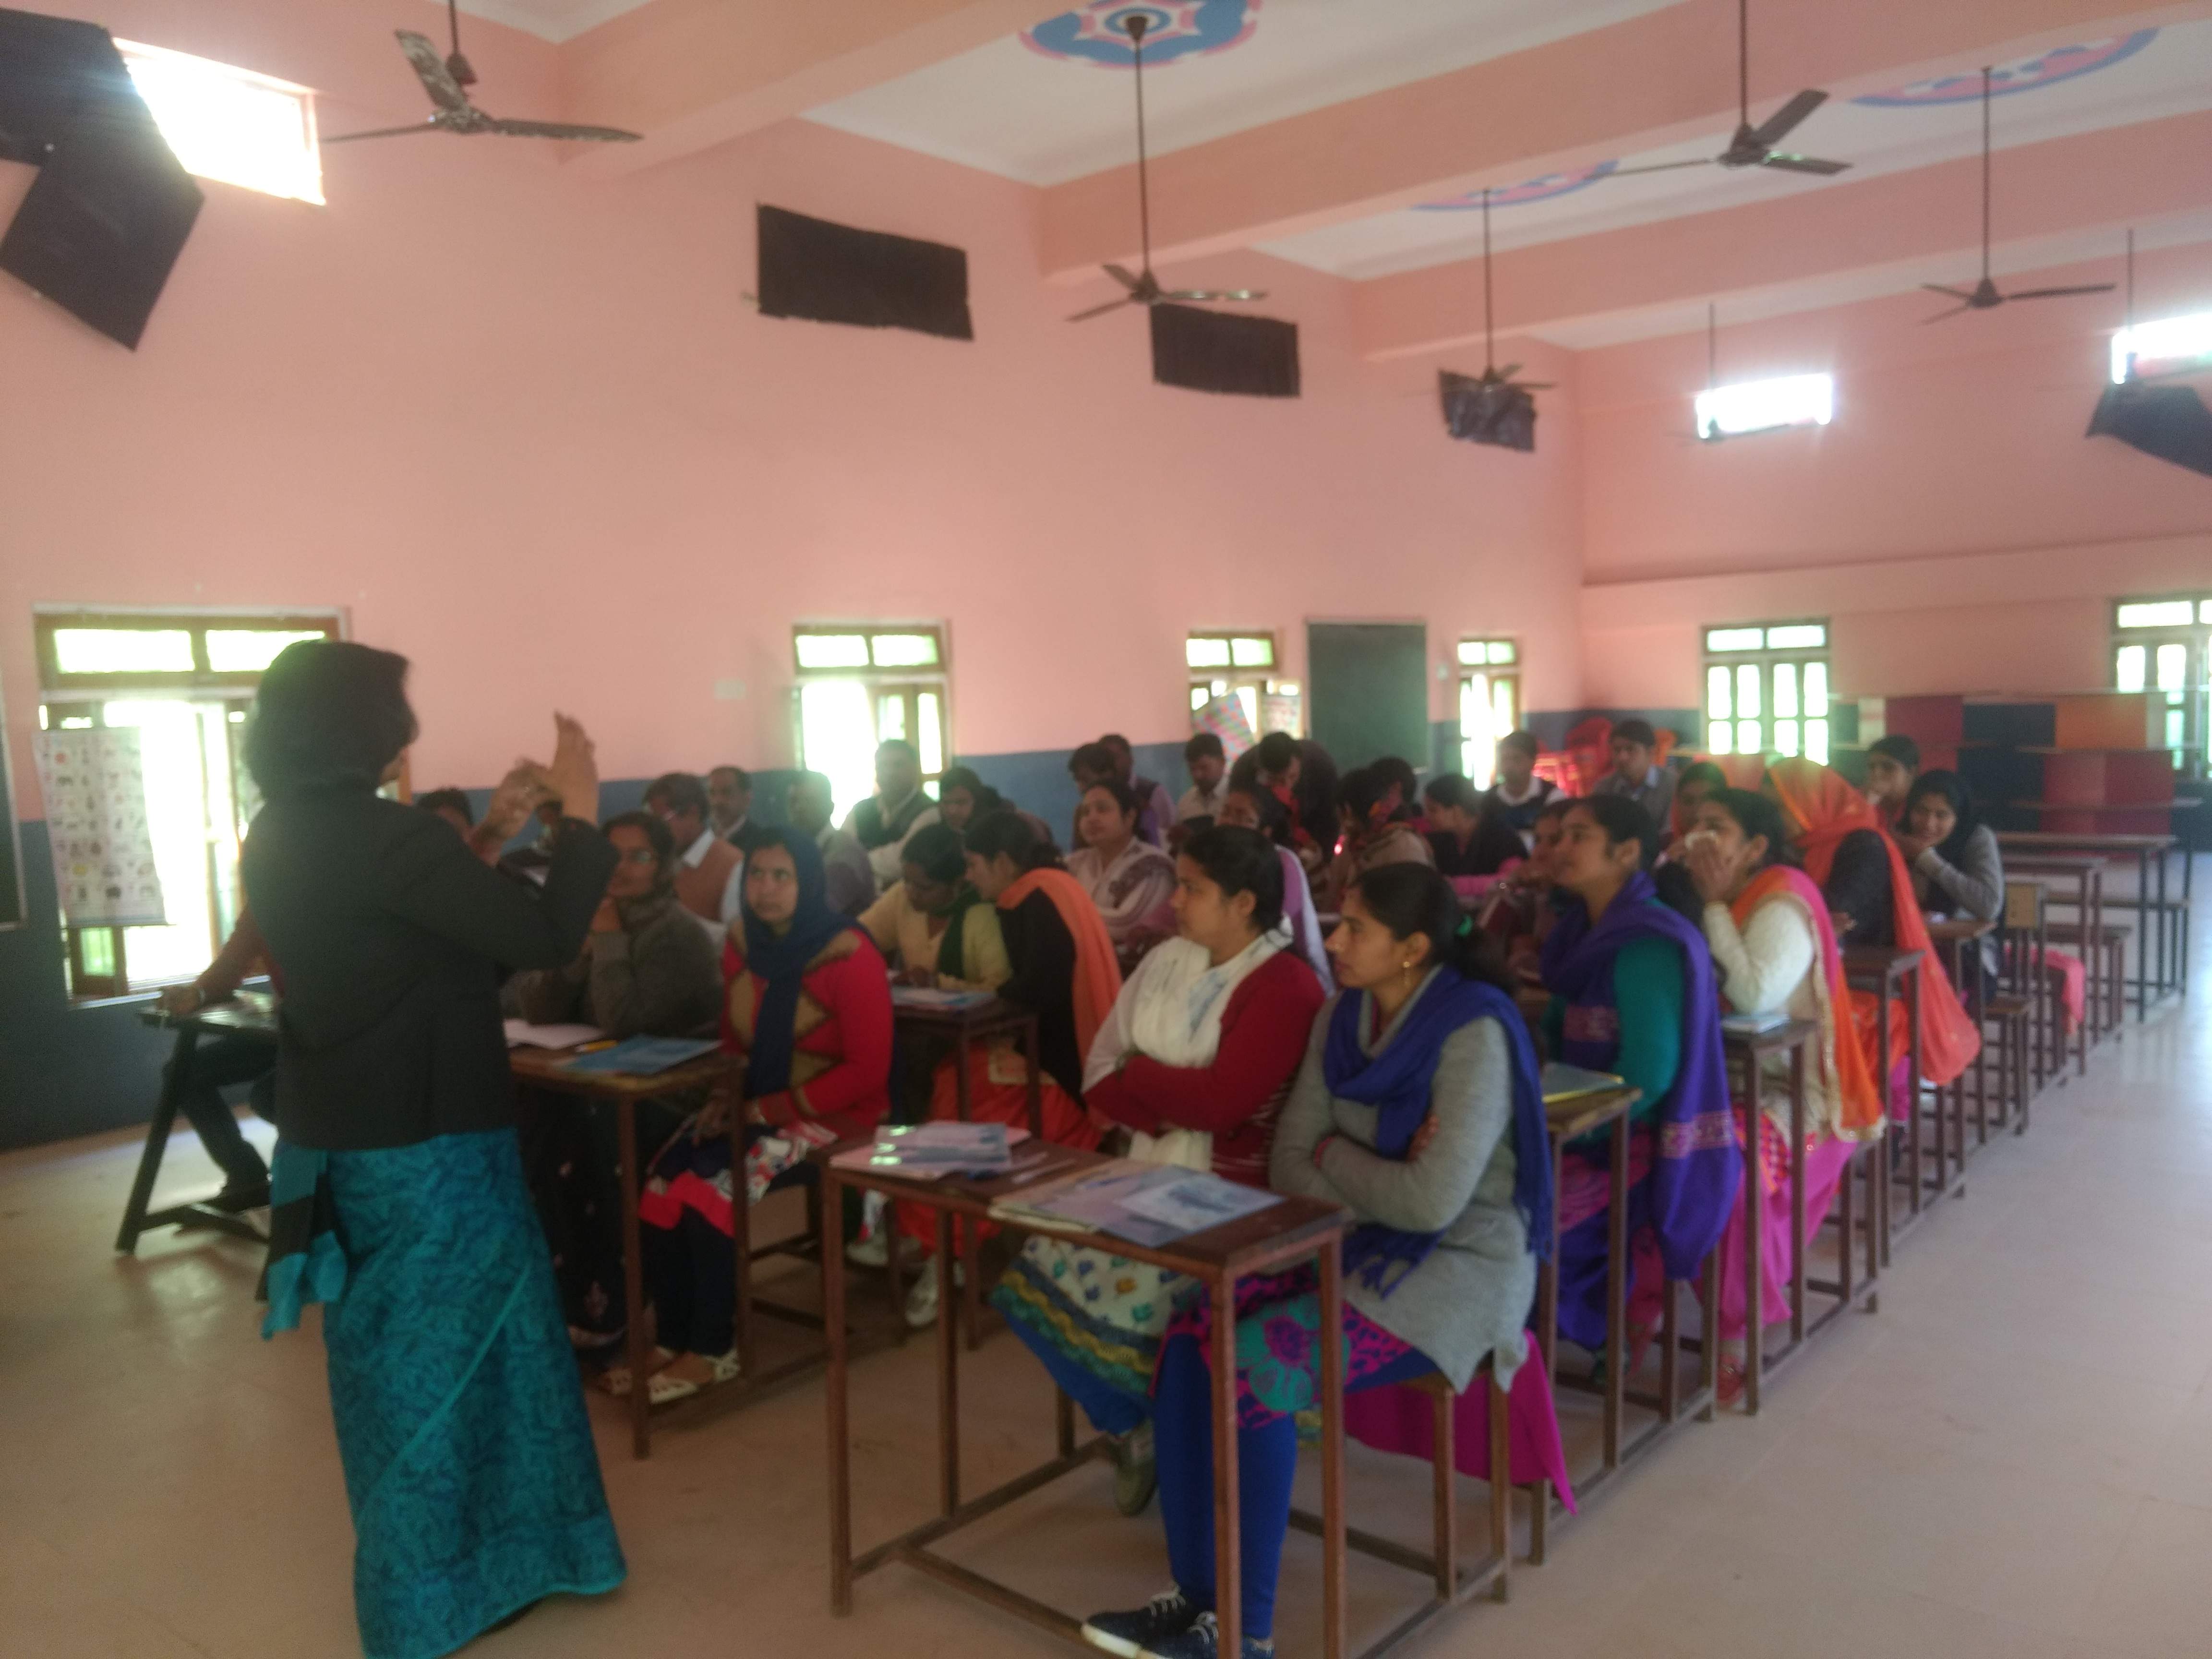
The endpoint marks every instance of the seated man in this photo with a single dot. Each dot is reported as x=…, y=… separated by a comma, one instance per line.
x=849, y=878
x=1208, y=763
x=1636, y=773
x=882, y=823
x=1892, y=762
x=1518, y=795
x=240, y=1057
x=729, y=807
x=709, y=872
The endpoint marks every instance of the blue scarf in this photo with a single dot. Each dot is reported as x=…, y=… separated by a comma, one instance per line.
x=1696, y=1165
x=780, y=961
x=1397, y=1081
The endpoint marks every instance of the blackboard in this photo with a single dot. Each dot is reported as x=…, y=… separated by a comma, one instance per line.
x=1370, y=685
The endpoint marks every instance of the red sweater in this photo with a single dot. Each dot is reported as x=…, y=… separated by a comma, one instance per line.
x=841, y=1053
x=1264, y=1030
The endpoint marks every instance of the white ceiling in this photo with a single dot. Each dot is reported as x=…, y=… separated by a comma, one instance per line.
x=2170, y=75
x=549, y=19
x=1011, y=109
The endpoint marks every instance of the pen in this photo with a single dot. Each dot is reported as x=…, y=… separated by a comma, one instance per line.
x=594, y=1048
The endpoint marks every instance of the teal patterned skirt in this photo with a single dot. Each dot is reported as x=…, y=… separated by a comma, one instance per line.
x=469, y=1461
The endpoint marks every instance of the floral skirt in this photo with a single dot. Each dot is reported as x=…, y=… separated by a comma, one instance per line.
x=1278, y=1344
x=1094, y=1319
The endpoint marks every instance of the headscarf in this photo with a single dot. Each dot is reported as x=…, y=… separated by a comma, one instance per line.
x=780, y=961
x=1397, y=1082
x=1956, y=790
x=1829, y=809
x=1850, y=1080
x=1097, y=979
x=1698, y=1166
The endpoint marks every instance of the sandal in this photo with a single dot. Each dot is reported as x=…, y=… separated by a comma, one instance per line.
x=616, y=1379
x=1728, y=1381
x=663, y=1389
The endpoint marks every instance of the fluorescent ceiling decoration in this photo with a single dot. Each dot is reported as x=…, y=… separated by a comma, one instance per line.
x=2027, y=74
x=1059, y=108
x=2165, y=74
x=549, y=19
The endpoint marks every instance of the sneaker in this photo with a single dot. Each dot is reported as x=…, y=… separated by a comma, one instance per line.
x=237, y=1197
x=1203, y=1641
x=921, y=1299
x=1166, y=1616
x=875, y=1252
x=1136, y=1475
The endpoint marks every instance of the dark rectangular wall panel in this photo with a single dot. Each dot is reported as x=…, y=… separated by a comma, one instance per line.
x=829, y=273
x=1224, y=351
x=1370, y=685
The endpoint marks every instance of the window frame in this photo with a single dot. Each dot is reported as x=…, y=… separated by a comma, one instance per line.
x=303, y=97
x=1765, y=658
x=1262, y=682
x=200, y=680
x=2192, y=755
x=1480, y=770
x=905, y=683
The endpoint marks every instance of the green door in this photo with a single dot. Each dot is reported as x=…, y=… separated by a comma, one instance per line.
x=1370, y=688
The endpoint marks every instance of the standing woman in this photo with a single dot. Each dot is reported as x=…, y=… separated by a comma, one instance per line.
x=1418, y=1108
x=1774, y=951
x=1194, y=1059
x=400, y=1203
x=1631, y=984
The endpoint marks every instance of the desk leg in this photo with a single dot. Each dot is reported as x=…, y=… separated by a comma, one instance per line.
x=1616, y=1296
x=1752, y=1195
x=841, y=1470
x=1548, y=1329
x=1797, y=1240
x=741, y=1237
x=948, y=1372
x=1228, y=1560
x=1063, y=1422
x=1032, y=1056
x=1332, y=1459
x=1887, y=1071
x=969, y=1291
x=1912, y=1077
x=157, y=1139
x=641, y=1389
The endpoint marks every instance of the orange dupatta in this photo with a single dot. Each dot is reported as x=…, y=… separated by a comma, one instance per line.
x=1827, y=809
x=1097, y=975
x=1843, y=1062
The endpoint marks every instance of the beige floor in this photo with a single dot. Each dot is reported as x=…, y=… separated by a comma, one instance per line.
x=2014, y=1458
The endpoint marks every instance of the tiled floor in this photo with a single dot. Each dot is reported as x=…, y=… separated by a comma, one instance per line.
x=2012, y=1458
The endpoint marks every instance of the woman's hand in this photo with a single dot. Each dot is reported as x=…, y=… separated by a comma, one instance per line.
x=607, y=918
x=1910, y=845
x=1424, y=1138
x=1714, y=873
x=182, y=998
x=575, y=773
x=926, y=978
x=777, y=1110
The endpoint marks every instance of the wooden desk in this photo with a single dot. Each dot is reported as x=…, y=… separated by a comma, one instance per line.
x=1892, y=974
x=1271, y=1239
x=250, y=1013
x=2166, y=966
x=1952, y=936
x=977, y=1023
x=2087, y=871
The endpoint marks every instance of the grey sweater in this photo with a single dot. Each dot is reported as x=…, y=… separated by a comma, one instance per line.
x=658, y=976
x=1974, y=886
x=1470, y=1297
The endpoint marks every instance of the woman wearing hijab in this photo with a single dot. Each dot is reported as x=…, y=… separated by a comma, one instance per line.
x=647, y=967
x=399, y=1198
x=1063, y=971
x=1631, y=984
x=807, y=1011
x=1417, y=1108
x=1869, y=891
x=1774, y=951
x=1194, y=1059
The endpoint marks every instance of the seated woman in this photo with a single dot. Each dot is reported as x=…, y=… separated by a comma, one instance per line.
x=1466, y=838
x=1251, y=807
x=1374, y=834
x=648, y=967
x=1861, y=875
x=1418, y=1108
x=1631, y=984
x=1194, y=1059
x=1518, y=913
x=1957, y=869
x=1700, y=781
x=1063, y=971
x=1128, y=878
x=1774, y=951
x=934, y=922
x=808, y=1012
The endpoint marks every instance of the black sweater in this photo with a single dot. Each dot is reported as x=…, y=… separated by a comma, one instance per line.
x=1041, y=953
x=388, y=936
x=1858, y=886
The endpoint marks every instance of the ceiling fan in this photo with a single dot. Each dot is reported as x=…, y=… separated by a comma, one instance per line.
x=1755, y=146
x=1144, y=289
x=1983, y=296
x=1492, y=374
x=447, y=82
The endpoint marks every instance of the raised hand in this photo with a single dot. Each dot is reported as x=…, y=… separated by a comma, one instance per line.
x=575, y=773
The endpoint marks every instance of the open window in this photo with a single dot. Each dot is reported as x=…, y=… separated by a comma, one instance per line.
x=1489, y=704
x=2164, y=647
x=861, y=685
x=1241, y=662
x=1766, y=689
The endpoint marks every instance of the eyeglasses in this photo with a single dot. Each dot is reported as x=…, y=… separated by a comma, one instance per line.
x=640, y=855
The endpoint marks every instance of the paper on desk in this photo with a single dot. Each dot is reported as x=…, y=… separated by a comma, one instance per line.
x=521, y=1034
x=929, y=996
x=1564, y=1082
x=1195, y=1201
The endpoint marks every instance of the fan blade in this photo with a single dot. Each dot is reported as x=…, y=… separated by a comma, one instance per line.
x=1506, y=373
x=1216, y=294
x=1100, y=311
x=1660, y=167
x=2056, y=293
x=1534, y=385
x=1778, y=126
x=1806, y=164
x=560, y=130
x=1964, y=295
x=379, y=132
x=437, y=80
x=1121, y=274
x=1940, y=315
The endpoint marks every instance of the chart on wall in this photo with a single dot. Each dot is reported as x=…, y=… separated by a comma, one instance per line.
x=95, y=783
x=1369, y=690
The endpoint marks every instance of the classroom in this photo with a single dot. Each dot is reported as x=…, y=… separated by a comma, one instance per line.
x=1526, y=687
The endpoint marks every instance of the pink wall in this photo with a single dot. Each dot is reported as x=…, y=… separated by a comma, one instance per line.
x=1952, y=522
x=520, y=423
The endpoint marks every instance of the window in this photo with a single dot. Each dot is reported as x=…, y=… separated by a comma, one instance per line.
x=186, y=683
x=2173, y=345
x=1489, y=704
x=861, y=685
x=1241, y=663
x=2161, y=646
x=1766, y=689
x=230, y=124
x=1727, y=411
